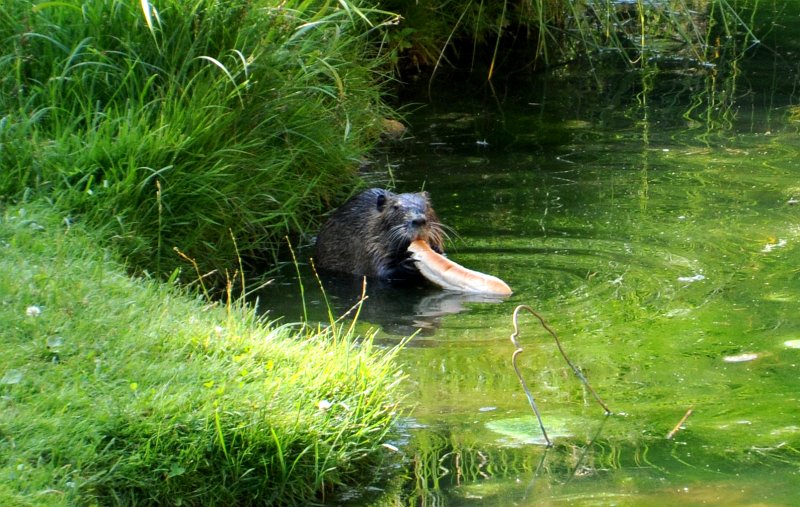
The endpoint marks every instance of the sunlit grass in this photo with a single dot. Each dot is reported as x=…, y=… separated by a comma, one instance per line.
x=123, y=391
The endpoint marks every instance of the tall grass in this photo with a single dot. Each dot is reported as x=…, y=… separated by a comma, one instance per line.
x=517, y=34
x=121, y=391
x=188, y=123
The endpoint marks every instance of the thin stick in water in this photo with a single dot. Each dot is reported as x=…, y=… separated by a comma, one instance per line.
x=677, y=427
x=518, y=351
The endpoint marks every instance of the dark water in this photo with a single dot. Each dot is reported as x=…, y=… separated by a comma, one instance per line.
x=651, y=216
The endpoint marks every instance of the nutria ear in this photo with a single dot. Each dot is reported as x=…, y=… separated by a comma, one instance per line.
x=381, y=201
x=426, y=195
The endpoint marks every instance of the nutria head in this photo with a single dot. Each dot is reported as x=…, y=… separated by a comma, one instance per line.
x=403, y=218
x=370, y=234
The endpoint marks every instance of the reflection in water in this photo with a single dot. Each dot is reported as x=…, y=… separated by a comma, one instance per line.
x=447, y=469
x=603, y=463
x=398, y=310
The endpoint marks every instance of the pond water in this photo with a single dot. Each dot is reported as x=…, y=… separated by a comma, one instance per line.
x=652, y=218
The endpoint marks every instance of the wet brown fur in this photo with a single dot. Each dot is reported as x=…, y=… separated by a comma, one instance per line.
x=369, y=235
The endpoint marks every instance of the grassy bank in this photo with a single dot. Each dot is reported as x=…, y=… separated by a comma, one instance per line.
x=201, y=125
x=128, y=391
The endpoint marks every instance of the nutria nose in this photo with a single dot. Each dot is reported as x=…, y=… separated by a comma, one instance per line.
x=419, y=221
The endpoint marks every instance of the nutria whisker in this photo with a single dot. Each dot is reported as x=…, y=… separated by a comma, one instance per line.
x=443, y=232
x=398, y=235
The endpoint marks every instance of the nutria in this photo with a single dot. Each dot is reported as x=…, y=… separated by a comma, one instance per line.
x=370, y=233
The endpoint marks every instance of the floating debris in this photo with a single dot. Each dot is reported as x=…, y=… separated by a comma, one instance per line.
x=390, y=447
x=11, y=377
x=53, y=342
x=781, y=297
x=33, y=311
x=678, y=312
x=786, y=430
x=792, y=344
x=772, y=246
x=740, y=358
x=690, y=279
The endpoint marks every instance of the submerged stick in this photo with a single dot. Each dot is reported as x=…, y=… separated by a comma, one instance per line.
x=531, y=401
x=518, y=351
x=677, y=427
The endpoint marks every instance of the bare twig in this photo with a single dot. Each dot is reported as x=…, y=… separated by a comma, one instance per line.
x=518, y=351
x=677, y=427
x=531, y=401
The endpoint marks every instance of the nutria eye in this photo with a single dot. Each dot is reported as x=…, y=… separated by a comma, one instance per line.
x=381, y=201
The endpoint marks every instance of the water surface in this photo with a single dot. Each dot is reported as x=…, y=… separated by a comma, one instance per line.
x=651, y=217
x=654, y=224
